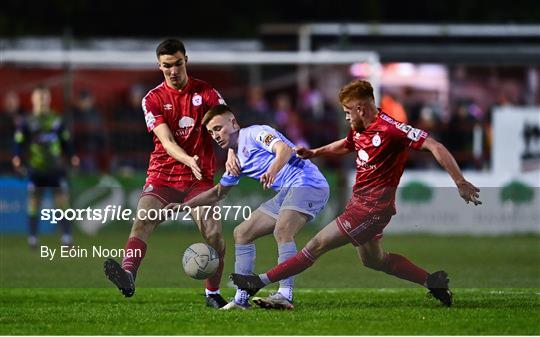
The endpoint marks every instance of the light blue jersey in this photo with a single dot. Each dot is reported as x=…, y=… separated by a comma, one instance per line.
x=255, y=154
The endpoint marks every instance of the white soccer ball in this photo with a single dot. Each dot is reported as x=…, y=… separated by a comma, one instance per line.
x=200, y=261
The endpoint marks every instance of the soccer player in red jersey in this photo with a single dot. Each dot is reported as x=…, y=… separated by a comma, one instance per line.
x=382, y=145
x=181, y=164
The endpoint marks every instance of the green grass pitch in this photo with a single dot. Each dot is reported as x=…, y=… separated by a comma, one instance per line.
x=496, y=284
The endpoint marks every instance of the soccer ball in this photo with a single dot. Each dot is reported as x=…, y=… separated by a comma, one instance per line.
x=200, y=261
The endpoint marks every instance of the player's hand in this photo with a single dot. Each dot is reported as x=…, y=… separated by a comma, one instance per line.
x=193, y=163
x=267, y=179
x=469, y=192
x=175, y=206
x=303, y=152
x=232, y=166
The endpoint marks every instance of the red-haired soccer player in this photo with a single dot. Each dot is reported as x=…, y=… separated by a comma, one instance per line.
x=382, y=145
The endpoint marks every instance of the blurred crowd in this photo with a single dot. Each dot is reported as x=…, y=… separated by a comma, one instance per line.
x=108, y=141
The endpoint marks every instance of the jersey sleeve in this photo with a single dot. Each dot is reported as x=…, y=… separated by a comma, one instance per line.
x=229, y=180
x=349, y=141
x=213, y=97
x=264, y=137
x=407, y=136
x=153, y=115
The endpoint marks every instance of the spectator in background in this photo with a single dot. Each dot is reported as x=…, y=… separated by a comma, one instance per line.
x=319, y=121
x=10, y=117
x=130, y=140
x=12, y=107
x=42, y=141
x=90, y=137
x=287, y=120
x=460, y=134
x=393, y=108
x=257, y=110
x=131, y=109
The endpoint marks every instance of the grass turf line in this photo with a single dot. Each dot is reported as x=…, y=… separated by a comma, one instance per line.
x=157, y=311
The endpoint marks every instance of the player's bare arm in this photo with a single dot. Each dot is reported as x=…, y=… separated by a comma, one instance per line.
x=166, y=138
x=467, y=191
x=209, y=197
x=283, y=154
x=336, y=148
x=232, y=166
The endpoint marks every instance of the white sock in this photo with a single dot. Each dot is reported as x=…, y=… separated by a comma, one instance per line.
x=287, y=292
x=241, y=297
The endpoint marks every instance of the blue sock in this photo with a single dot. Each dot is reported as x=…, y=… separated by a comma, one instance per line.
x=244, y=264
x=286, y=250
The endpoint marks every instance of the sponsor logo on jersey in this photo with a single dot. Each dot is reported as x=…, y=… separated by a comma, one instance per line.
x=196, y=100
x=150, y=120
x=412, y=133
x=265, y=138
x=167, y=106
x=363, y=155
x=416, y=134
x=185, y=124
x=362, y=161
x=376, y=141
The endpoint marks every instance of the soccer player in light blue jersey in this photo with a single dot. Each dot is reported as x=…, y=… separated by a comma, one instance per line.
x=266, y=155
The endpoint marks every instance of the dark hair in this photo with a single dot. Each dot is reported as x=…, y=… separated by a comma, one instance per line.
x=358, y=89
x=217, y=110
x=41, y=86
x=170, y=47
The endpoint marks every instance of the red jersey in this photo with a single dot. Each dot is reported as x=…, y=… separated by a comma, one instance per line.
x=182, y=111
x=382, y=150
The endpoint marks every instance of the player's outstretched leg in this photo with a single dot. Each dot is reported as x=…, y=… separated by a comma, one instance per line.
x=437, y=283
x=121, y=278
x=373, y=256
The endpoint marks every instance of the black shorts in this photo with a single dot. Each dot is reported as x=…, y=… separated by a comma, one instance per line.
x=41, y=180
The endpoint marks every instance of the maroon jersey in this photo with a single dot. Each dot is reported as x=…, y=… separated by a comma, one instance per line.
x=182, y=111
x=382, y=150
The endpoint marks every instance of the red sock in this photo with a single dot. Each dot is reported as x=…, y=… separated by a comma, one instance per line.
x=212, y=283
x=292, y=266
x=137, y=249
x=401, y=267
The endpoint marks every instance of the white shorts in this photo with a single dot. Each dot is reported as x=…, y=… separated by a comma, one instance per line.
x=305, y=199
